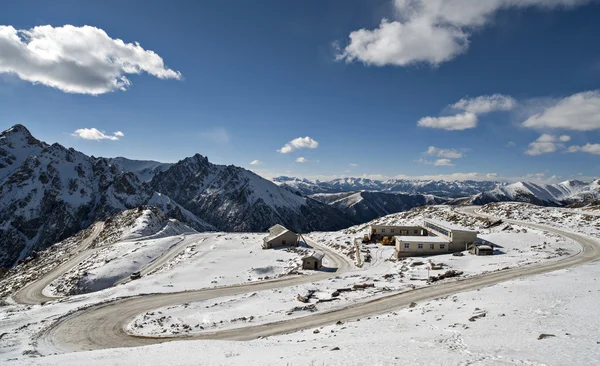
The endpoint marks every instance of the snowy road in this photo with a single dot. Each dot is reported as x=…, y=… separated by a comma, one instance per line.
x=103, y=326
x=33, y=293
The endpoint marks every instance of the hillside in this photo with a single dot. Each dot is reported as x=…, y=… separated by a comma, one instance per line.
x=365, y=206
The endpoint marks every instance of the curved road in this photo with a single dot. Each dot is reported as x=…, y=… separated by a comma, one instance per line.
x=102, y=326
x=33, y=292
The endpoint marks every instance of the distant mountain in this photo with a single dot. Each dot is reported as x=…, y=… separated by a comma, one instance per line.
x=571, y=192
x=438, y=188
x=145, y=170
x=364, y=206
x=235, y=199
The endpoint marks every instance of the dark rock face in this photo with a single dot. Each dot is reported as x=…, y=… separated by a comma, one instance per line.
x=235, y=199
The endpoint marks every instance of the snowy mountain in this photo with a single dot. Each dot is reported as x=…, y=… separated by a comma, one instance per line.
x=235, y=199
x=438, y=188
x=571, y=192
x=145, y=170
x=49, y=192
x=364, y=206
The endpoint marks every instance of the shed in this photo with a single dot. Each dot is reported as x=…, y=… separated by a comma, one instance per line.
x=279, y=236
x=313, y=261
x=484, y=250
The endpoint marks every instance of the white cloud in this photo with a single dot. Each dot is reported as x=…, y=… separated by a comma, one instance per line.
x=579, y=112
x=452, y=123
x=444, y=153
x=83, y=60
x=443, y=162
x=486, y=104
x=429, y=31
x=256, y=162
x=218, y=135
x=546, y=143
x=511, y=144
x=471, y=108
x=301, y=160
x=588, y=148
x=94, y=134
x=564, y=138
x=353, y=164
x=299, y=143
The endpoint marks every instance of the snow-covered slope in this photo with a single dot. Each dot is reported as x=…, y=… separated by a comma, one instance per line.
x=364, y=206
x=570, y=192
x=235, y=199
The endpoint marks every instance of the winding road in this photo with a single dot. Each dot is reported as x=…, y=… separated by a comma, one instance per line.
x=102, y=326
x=33, y=292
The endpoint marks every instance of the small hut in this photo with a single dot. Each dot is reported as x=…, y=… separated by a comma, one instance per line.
x=313, y=261
x=484, y=250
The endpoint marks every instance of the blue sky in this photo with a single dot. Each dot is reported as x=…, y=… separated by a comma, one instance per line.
x=241, y=79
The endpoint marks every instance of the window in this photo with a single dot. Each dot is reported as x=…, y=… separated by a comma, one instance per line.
x=442, y=246
x=283, y=242
x=406, y=245
x=420, y=246
x=391, y=230
x=431, y=246
x=416, y=231
x=383, y=230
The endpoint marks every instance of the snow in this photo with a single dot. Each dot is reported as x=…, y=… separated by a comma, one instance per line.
x=431, y=333
x=447, y=225
x=440, y=331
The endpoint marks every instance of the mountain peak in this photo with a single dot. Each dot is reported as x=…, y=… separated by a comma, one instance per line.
x=19, y=135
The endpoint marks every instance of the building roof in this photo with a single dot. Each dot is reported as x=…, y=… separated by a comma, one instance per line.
x=275, y=232
x=485, y=247
x=449, y=225
x=422, y=239
x=277, y=229
x=316, y=255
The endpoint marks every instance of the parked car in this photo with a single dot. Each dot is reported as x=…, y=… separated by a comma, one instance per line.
x=135, y=275
x=458, y=254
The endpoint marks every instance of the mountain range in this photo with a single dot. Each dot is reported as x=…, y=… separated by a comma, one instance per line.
x=50, y=192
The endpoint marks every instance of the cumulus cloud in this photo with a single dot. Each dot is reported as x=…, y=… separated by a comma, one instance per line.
x=299, y=143
x=587, y=148
x=580, y=112
x=83, y=60
x=429, y=31
x=485, y=104
x=444, y=153
x=457, y=122
x=94, y=134
x=546, y=143
x=256, y=162
x=301, y=160
x=468, y=111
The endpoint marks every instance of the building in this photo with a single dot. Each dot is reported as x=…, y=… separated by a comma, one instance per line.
x=410, y=246
x=458, y=236
x=313, y=261
x=442, y=237
x=279, y=236
x=482, y=250
x=377, y=232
